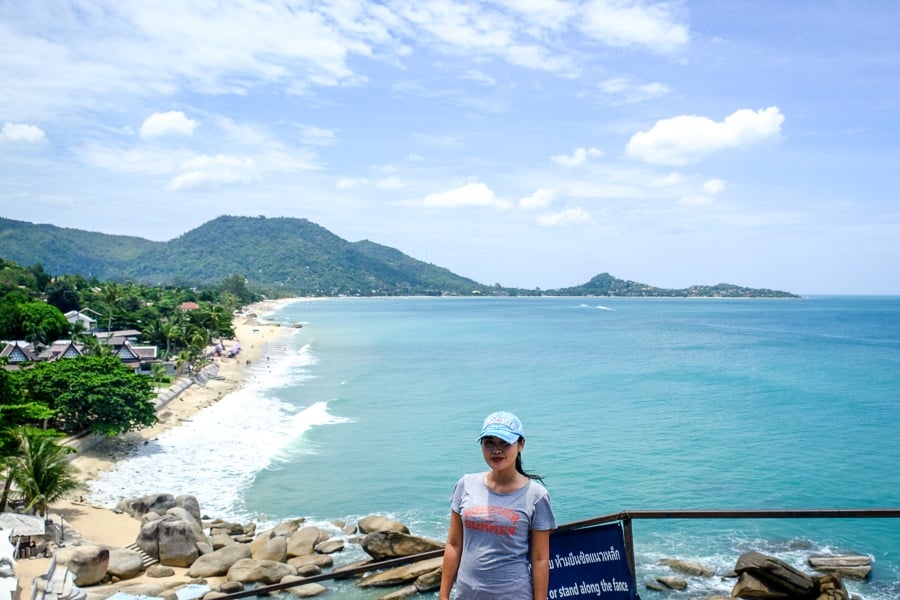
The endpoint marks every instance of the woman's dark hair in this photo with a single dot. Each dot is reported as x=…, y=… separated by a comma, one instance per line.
x=523, y=471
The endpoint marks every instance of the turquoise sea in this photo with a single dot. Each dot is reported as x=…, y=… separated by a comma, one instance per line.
x=373, y=406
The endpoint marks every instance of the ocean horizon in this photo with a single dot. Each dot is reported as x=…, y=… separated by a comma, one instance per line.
x=373, y=407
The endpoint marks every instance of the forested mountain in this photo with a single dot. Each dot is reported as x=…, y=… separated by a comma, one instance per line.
x=281, y=256
x=290, y=256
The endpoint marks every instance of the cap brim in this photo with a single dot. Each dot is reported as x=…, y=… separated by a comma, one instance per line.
x=507, y=436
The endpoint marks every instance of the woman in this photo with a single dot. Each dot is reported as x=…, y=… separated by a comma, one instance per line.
x=498, y=546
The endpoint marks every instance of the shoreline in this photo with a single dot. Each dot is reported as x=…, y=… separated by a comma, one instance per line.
x=101, y=525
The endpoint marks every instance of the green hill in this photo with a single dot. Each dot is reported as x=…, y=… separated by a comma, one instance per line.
x=281, y=256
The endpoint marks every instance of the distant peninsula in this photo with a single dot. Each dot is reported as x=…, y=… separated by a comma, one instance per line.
x=286, y=257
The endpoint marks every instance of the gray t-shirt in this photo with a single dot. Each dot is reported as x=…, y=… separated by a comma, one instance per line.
x=495, y=555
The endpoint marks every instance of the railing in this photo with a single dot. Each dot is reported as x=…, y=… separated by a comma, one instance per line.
x=625, y=517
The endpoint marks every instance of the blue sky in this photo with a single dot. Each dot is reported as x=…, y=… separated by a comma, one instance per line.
x=531, y=143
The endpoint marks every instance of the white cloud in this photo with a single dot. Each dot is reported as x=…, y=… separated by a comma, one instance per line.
x=687, y=138
x=214, y=171
x=623, y=89
x=672, y=179
x=168, y=123
x=566, y=217
x=626, y=23
x=21, y=133
x=577, y=157
x=348, y=183
x=317, y=135
x=541, y=198
x=471, y=194
x=391, y=183
x=714, y=186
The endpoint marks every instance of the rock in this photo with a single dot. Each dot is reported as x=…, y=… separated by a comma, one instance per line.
x=652, y=584
x=688, y=567
x=429, y=581
x=220, y=540
x=308, y=570
x=401, y=594
x=230, y=587
x=307, y=590
x=382, y=545
x=184, y=515
x=124, y=563
x=176, y=541
x=673, y=582
x=776, y=575
x=400, y=575
x=330, y=547
x=190, y=504
x=138, y=507
x=304, y=541
x=219, y=562
x=374, y=523
x=273, y=549
x=287, y=528
x=89, y=564
x=213, y=595
x=159, y=571
x=855, y=566
x=320, y=561
x=248, y=570
x=831, y=588
x=748, y=586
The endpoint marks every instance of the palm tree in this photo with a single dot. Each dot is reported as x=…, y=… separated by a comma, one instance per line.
x=112, y=294
x=40, y=469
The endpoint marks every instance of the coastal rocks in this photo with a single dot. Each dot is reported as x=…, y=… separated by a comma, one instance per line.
x=218, y=563
x=304, y=541
x=124, y=563
x=89, y=564
x=855, y=566
x=374, y=523
x=159, y=571
x=687, y=567
x=173, y=538
x=765, y=577
x=307, y=590
x=401, y=575
x=138, y=507
x=249, y=570
x=382, y=545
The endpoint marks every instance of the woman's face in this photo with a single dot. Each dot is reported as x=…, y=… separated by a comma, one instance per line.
x=500, y=455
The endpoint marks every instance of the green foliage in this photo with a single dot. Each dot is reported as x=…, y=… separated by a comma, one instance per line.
x=63, y=295
x=95, y=393
x=40, y=469
x=31, y=320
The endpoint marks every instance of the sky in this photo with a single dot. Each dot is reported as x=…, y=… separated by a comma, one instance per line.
x=530, y=143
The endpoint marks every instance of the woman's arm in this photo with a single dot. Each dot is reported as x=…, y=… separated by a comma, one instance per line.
x=452, y=554
x=540, y=563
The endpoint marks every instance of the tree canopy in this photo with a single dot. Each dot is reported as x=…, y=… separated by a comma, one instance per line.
x=91, y=393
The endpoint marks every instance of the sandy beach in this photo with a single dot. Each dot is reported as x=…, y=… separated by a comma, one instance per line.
x=102, y=525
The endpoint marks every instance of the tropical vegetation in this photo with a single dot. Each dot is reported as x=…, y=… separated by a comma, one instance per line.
x=93, y=393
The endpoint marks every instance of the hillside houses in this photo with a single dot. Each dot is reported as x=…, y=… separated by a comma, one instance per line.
x=124, y=345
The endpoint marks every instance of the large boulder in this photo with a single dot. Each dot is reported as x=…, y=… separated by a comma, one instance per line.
x=248, y=570
x=177, y=543
x=89, y=564
x=400, y=575
x=776, y=574
x=274, y=549
x=384, y=544
x=217, y=563
x=304, y=541
x=767, y=578
x=138, y=507
x=303, y=590
x=688, y=567
x=381, y=523
x=855, y=566
x=190, y=504
x=125, y=563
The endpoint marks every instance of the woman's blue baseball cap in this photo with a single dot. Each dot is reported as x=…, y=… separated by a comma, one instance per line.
x=503, y=425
